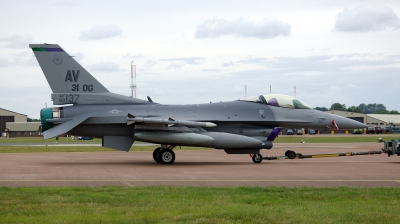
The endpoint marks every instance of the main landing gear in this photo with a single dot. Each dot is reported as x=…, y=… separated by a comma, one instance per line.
x=164, y=154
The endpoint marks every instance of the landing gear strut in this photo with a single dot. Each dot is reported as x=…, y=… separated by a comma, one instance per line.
x=164, y=154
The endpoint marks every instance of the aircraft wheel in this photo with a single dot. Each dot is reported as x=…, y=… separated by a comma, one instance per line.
x=286, y=153
x=156, y=154
x=257, y=158
x=290, y=154
x=167, y=156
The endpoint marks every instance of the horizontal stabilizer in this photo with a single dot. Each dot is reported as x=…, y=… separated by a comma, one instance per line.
x=131, y=119
x=66, y=126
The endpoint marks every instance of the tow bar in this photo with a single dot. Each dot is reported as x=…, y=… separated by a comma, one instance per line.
x=292, y=155
x=391, y=147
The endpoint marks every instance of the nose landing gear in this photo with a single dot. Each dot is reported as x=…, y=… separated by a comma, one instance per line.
x=257, y=158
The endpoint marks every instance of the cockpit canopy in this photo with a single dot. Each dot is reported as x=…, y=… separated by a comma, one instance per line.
x=278, y=100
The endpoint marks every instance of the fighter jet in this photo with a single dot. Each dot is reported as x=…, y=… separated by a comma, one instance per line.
x=84, y=107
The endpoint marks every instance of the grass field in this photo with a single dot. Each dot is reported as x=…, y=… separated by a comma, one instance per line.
x=40, y=139
x=199, y=205
x=29, y=149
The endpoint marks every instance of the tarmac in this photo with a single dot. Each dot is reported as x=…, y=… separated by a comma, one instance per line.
x=211, y=168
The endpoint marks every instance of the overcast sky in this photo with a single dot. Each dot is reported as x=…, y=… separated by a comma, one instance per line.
x=200, y=51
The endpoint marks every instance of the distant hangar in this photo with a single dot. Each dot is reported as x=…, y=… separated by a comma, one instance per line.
x=14, y=124
x=380, y=120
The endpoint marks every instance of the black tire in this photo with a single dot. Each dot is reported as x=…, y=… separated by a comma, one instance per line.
x=291, y=154
x=257, y=158
x=287, y=152
x=156, y=155
x=167, y=156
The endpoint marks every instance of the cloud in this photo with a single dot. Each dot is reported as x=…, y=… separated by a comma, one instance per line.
x=17, y=41
x=104, y=67
x=4, y=62
x=150, y=63
x=66, y=3
x=210, y=70
x=227, y=64
x=131, y=56
x=265, y=29
x=189, y=61
x=364, y=19
x=328, y=63
x=176, y=65
x=25, y=58
x=99, y=32
x=318, y=63
x=251, y=60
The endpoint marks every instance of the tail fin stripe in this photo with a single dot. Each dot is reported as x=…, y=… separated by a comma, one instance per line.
x=47, y=49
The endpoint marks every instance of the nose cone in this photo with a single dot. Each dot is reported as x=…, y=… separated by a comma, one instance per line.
x=346, y=123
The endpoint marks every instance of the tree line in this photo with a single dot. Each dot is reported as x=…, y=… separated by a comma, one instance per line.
x=371, y=108
x=32, y=120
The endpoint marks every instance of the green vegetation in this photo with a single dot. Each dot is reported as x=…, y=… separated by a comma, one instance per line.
x=29, y=149
x=32, y=120
x=40, y=139
x=199, y=205
x=371, y=108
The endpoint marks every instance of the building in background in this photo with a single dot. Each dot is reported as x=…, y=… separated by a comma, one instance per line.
x=14, y=124
x=376, y=120
x=23, y=129
x=9, y=116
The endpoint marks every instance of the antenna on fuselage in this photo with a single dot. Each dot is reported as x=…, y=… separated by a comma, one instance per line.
x=294, y=91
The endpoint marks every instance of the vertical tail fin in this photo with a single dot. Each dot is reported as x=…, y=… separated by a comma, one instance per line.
x=70, y=82
x=63, y=73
